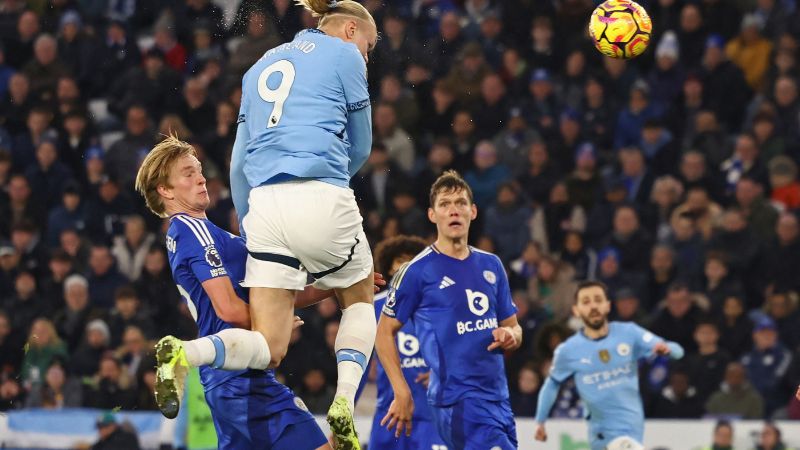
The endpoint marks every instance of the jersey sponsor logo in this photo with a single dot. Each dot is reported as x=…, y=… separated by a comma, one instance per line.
x=171, y=246
x=470, y=326
x=490, y=276
x=605, y=379
x=408, y=344
x=477, y=301
x=300, y=404
x=212, y=257
x=605, y=356
x=623, y=349
x=446, y=282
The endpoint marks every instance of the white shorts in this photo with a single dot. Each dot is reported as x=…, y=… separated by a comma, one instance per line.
x=305, y=227
x=624, y=443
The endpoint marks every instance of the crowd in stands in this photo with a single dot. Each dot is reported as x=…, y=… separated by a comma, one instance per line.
x=672, y=178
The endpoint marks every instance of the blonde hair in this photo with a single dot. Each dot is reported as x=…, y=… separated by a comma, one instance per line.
x=37, y=341
x=155, y=170
x=327, y=10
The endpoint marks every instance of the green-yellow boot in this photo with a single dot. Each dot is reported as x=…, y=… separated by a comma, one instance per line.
x=171, y=371
x=340, y=418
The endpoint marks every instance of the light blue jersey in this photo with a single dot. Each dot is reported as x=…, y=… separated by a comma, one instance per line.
x=606, y=375
x=295, y=103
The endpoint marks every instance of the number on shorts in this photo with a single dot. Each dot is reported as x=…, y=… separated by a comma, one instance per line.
x=276, y=96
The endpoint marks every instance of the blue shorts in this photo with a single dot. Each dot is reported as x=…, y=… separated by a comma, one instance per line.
x=476, y=424
x=252, y=411
x=424, y=436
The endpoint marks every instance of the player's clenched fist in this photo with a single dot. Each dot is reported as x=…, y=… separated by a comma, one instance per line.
x=541, y=434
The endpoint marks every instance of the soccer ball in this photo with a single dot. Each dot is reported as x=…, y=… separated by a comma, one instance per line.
x=620, y=28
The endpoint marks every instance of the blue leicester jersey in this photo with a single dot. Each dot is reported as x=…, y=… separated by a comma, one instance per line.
x=413, y=365
x=198, y=251
x=295, y=102
x=606, y=375
x=454, y=305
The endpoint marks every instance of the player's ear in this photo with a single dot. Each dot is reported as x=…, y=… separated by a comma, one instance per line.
x=165, y=192
x=350, y=29
x=431, y=215
x=474, y=209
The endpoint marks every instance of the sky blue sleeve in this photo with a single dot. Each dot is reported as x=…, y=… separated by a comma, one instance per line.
x=359, y=134
x=240, y=188
x=352, y=71
x=645, y=342
x=547, y=397
x=505, y=304
x=404, y=294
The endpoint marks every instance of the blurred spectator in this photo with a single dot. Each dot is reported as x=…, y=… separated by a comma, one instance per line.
x=767, y=139
x=770, y=438
x=525, y=267
x=664, y=197
x=48, y=177
x=553, y=288
x=104, y=278
x=43, y=347
x=632, y=118
x=553, y=219
x=506, y=222
x=525, y=397
x=782, y=253
x=760, y=214
x=677, y=320
x=628, y=236
x=155, y=288
x=736, y=397
x=130, y=250
x=146, y=384
x=117, y=54
x=411, y=218
x=315, y=392
x=492, y=106
x=566, y=138
x=583, y=184
x=72, y=318
x=575, y=253
x=134, y=350
x=58, y=391
x=112, y=436
x=767, y=364
x=127, y=312
x=77, y=49
x=487, y=176
x=719, y=285
x=661, y=274
x=666, y=77
x=784, y=183
x=11, y=394
x=679, y=399
x=10, y=348
x=542, y=172
x=106, y=209
x=86, y=358
x=110, y=387
x=45, y=69
x=543, y=110
x=781, y=307
x=38, y=129
x=742, y=248
x=25, y=305
x=627, y=307
x=706, y=368
x=375, y=184
x=398, y=143
x=261, y=36
x=440, y=158
x=20, y=45
x=723, y=436
x=735, y=327
x=127, y=154
x=69, y=215
x=751, y=51
x=196, y=109
x=725, y=89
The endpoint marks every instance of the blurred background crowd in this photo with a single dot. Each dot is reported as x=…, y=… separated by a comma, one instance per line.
x=672, y=178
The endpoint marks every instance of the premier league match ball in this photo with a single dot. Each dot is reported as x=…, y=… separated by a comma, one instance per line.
x=620, y=28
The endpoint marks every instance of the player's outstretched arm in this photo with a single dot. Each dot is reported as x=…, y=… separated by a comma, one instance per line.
x=547, y=397
x=508, y=336
x=402, y=407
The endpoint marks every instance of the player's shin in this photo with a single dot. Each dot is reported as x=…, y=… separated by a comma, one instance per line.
x=231, y=349
x=353, y=346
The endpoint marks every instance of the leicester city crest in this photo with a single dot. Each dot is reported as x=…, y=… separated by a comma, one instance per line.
x=605, y=356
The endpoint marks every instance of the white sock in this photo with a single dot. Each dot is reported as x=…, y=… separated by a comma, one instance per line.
x=231, y=349
x=353, y=346
x=199, y=352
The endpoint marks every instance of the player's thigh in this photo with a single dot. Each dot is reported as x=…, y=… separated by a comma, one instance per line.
x=272, y=314
x=270, y=262
x=425, y=436
x=327, y=236
x=486, y=425
x=225, y=405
